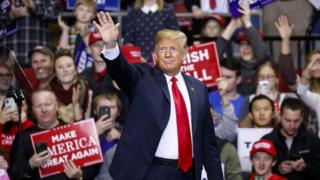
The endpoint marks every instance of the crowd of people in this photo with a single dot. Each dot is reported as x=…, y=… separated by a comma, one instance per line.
x=85, y=72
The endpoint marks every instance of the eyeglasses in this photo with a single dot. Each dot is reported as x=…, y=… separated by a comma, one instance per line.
x=5, y=76
x=266, y=77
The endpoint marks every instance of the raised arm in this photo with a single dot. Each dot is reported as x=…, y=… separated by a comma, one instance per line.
x=108, y=30
x=286, y=66
x=125, y=75
x=258, y=47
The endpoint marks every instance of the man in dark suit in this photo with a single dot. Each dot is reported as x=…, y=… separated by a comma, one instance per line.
x=169, y=132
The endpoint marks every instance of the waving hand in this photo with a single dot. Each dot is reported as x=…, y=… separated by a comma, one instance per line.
x=108, y=30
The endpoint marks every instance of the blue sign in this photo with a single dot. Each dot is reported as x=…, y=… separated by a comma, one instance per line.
x=102, y=5
x=11, y=28
x=254, y=4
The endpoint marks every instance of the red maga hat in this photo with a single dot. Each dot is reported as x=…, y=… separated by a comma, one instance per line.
x=264, y=145
x=94, y=37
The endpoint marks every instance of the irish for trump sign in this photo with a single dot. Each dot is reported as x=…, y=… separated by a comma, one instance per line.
x=202, y=62
x=77, y=142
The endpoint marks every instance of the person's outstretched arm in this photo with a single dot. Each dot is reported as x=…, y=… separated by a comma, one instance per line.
x=286, y=66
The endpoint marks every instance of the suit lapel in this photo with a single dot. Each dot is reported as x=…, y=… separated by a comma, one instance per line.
x=162, y=83
x=194, y=103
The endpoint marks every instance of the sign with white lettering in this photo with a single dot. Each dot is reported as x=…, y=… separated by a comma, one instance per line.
x=202, y=62
x=131, y=53
x=246, y=138
x=77, y=142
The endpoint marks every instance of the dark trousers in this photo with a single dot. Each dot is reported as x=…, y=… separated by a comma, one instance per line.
x=161, y=171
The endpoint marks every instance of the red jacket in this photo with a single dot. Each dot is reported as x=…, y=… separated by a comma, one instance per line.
x=6, y=139
x=273, y=177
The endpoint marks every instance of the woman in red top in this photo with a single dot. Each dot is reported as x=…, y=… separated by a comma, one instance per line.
x=9, y=127
x=8, y=112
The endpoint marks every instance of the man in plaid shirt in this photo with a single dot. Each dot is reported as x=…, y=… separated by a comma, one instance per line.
x=32, y=17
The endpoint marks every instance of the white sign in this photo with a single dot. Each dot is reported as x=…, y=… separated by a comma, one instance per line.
x=246, y=138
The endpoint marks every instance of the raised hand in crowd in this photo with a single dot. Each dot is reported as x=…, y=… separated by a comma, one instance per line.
x=246, y=13
x=307, y=72
x=72, y=171
x=285, y=32
x=222, y=88
x=78, y=112
x=65, y=33
x=108, y=30
x=233, y=25
x=197, y=12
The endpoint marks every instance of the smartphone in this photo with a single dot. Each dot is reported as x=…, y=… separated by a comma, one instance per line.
x=103, y=110
x=10, y=105
x=264, y=87
x=41, y=146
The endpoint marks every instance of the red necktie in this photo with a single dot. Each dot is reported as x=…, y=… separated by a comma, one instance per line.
x=212, y=4
x=184, y=138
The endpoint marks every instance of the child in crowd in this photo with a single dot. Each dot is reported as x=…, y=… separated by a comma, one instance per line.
x=263, y=157
x=107, y=109
x=262, y=113
x=75, y=38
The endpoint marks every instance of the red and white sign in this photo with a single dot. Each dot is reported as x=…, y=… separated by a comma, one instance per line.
x=132, y=53
x=202, y=62
x=78, y=142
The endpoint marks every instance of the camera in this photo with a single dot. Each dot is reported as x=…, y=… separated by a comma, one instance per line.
x=40, y=147
x=103, y=110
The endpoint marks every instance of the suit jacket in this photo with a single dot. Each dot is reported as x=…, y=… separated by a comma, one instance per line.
x=148, y=117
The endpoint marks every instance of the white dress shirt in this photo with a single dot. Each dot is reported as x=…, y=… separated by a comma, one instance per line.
x=168, y=145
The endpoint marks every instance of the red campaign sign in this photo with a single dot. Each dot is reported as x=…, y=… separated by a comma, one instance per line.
x=132, y=53
x=78, y=142
x=202, y=62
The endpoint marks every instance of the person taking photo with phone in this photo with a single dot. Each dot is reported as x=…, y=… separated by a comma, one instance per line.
x=9, y=119
x=107, y=109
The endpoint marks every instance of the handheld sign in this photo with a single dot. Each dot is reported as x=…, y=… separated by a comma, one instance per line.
x=77, y=142
x=246, y=138
x=202, y=62
x=254, y=4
